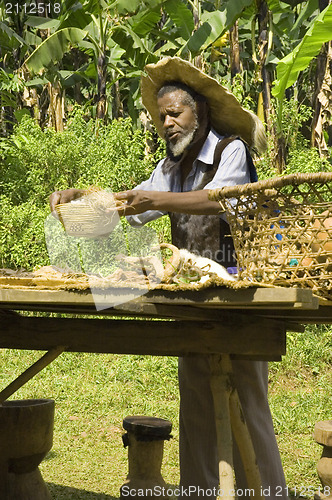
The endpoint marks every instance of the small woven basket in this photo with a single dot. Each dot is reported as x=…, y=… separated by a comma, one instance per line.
x=282, y=230
x=86, y=217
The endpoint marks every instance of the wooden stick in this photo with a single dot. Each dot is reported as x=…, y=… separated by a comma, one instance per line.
x=221, y=367
x=245, y=446
x=31, y=372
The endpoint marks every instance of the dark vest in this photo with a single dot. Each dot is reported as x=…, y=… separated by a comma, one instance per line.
x=208, y=235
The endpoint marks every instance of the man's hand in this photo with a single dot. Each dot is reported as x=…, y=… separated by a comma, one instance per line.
x=65, y=196
x=189, y=202
x=134, y=202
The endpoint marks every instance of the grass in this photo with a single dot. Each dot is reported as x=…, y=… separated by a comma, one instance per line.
x=93, y=394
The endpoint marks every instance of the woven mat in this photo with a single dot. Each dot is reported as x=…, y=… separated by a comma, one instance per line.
x=48, y=278
x=51, y=279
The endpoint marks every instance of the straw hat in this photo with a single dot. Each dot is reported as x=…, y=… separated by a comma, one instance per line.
x=227, y=115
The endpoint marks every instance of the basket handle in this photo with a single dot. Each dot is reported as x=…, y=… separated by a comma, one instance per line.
x=274, y=183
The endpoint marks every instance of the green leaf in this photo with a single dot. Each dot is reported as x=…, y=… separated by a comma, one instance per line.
x=290, y=66
x=207, y=33
x=232, y=10
x=42, y=22
x=36, y=82
x=129, y=40
x=181, y=17
x=8, y=43
x=53, y=48
x=70, y=78
x=11, y=33
x=32, y=39
x=143, y=23
x=308, y=9
x=129, y=6
x=116, y=52
x=96, y=6
x=278, y=7
x=77, y=19
x=19, y=113
x=215, y=25
x=168, y=46
x=91, y=71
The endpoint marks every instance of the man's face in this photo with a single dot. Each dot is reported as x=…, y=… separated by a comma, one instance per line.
x=179, y=120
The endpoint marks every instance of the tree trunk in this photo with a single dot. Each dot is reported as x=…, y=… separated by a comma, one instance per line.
x=322, y=98
x=78, y=60
x=56, y=107
x=117, y=109
x=198, y=60
x=101, y=95
x=263, y=28
x=235, y=50
x=278, y=142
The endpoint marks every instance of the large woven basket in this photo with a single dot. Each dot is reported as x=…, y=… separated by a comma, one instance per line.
x=282, y=230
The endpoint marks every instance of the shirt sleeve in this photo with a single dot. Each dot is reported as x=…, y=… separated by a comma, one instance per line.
x=233, y=168
x=158, y=181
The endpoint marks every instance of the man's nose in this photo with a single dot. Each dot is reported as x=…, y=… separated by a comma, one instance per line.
x=168, y=122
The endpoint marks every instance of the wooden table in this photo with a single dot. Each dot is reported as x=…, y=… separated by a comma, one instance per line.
x=201, y=322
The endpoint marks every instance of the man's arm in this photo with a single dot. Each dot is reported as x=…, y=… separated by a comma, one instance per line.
x=191, y=202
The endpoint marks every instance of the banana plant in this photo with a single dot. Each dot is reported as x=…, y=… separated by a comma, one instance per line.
x=214, y=25
x=98, y=29
x=45, y=57
x=289, y=67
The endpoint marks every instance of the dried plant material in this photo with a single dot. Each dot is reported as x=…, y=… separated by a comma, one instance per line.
x=176, y=270
x=173, y=264
x=149, y=266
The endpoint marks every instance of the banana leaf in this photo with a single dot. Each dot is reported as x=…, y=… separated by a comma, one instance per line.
x=53, y=48
x=215, y=24
x=288, y=68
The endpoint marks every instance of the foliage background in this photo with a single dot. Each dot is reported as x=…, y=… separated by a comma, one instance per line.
x=36, y=162
x=76, y=120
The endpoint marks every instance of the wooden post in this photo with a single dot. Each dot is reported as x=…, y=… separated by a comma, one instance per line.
x=229, y=418
x=145, y=440
x=245, y=446
x=221, y=388
x=323, y=436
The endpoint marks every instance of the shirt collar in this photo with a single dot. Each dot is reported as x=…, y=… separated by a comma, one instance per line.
x=206, y=154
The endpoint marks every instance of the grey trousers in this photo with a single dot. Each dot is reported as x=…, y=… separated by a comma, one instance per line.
x=198, y=448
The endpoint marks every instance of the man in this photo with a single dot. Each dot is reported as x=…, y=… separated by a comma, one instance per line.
x=193, y=113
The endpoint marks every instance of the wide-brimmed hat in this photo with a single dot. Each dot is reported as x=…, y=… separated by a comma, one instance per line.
x=228, y=117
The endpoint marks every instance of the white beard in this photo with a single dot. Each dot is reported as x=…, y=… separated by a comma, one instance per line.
x=182, y=144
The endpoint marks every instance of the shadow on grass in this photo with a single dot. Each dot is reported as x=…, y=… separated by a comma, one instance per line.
x=59, y=492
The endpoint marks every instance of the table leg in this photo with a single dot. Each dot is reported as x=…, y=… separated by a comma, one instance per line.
x=245, y=446
x=229, y=418
x=221, y=388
